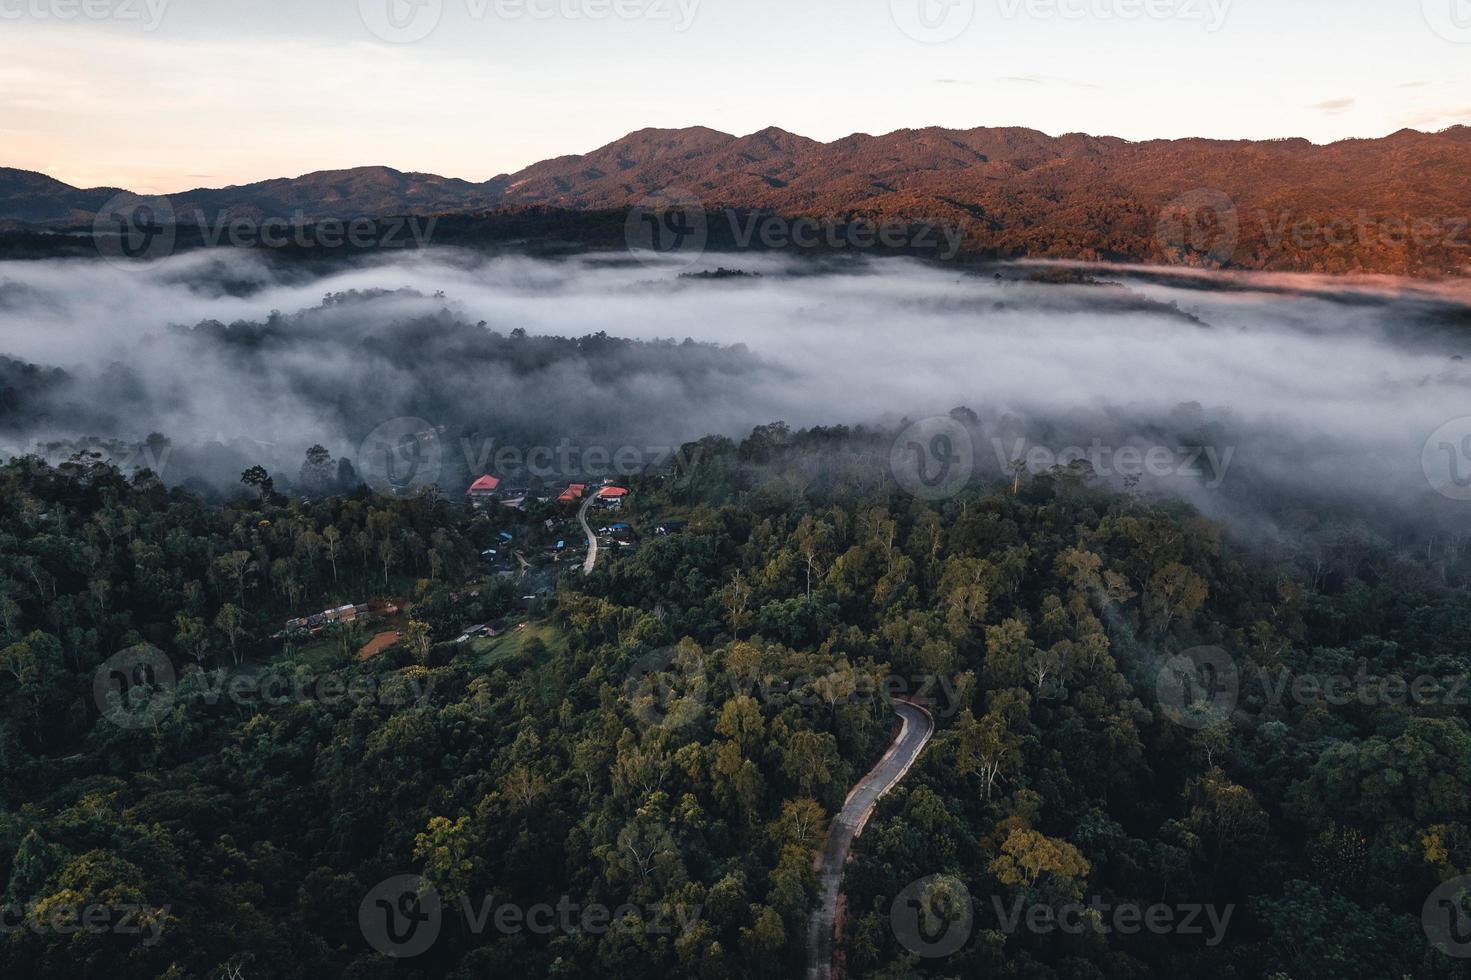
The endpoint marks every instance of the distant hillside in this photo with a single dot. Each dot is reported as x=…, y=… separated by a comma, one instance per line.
x=1018, y=191
x=29, y=198
x=34, y=199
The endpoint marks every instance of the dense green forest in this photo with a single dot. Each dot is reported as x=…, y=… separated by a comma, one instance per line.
x=667, y=737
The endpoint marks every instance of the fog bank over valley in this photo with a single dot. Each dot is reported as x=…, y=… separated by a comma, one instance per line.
x=1257, y=395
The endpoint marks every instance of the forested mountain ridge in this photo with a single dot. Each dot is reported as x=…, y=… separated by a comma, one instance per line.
x=1044, y=612
x=1395, y=204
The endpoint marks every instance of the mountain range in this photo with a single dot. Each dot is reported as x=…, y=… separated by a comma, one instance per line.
x=1018, y=191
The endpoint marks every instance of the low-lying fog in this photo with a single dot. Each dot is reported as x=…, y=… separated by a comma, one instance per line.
x=1274, y=387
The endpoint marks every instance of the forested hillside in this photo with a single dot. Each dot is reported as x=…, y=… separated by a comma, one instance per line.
x=667, y=737
x=1398, y=204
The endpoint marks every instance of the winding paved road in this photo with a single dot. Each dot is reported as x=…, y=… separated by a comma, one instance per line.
x=592, y=541
x=913, y=735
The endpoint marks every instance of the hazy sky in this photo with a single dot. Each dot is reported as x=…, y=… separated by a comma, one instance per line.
x=164, y=95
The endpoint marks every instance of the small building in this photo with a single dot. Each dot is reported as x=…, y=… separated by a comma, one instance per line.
x=317, y=621
x=485, y=488
x=669, y=528
x=573, y=494
x=471, y=632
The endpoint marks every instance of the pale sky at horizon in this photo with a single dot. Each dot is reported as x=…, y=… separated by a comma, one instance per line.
x=219, y=92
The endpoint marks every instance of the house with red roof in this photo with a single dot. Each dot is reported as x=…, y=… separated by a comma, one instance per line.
x=485, y=488
x=573, y=494
x=612, y=497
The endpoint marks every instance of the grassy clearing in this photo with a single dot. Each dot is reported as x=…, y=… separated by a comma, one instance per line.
x=319, y=654
x=492, y=652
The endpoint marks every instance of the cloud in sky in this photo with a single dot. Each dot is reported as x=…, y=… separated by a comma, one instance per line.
x=1333, y=106
x=1440, y=118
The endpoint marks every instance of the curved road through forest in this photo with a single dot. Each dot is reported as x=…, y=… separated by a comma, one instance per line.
x=914, y=734
x=592, y=541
